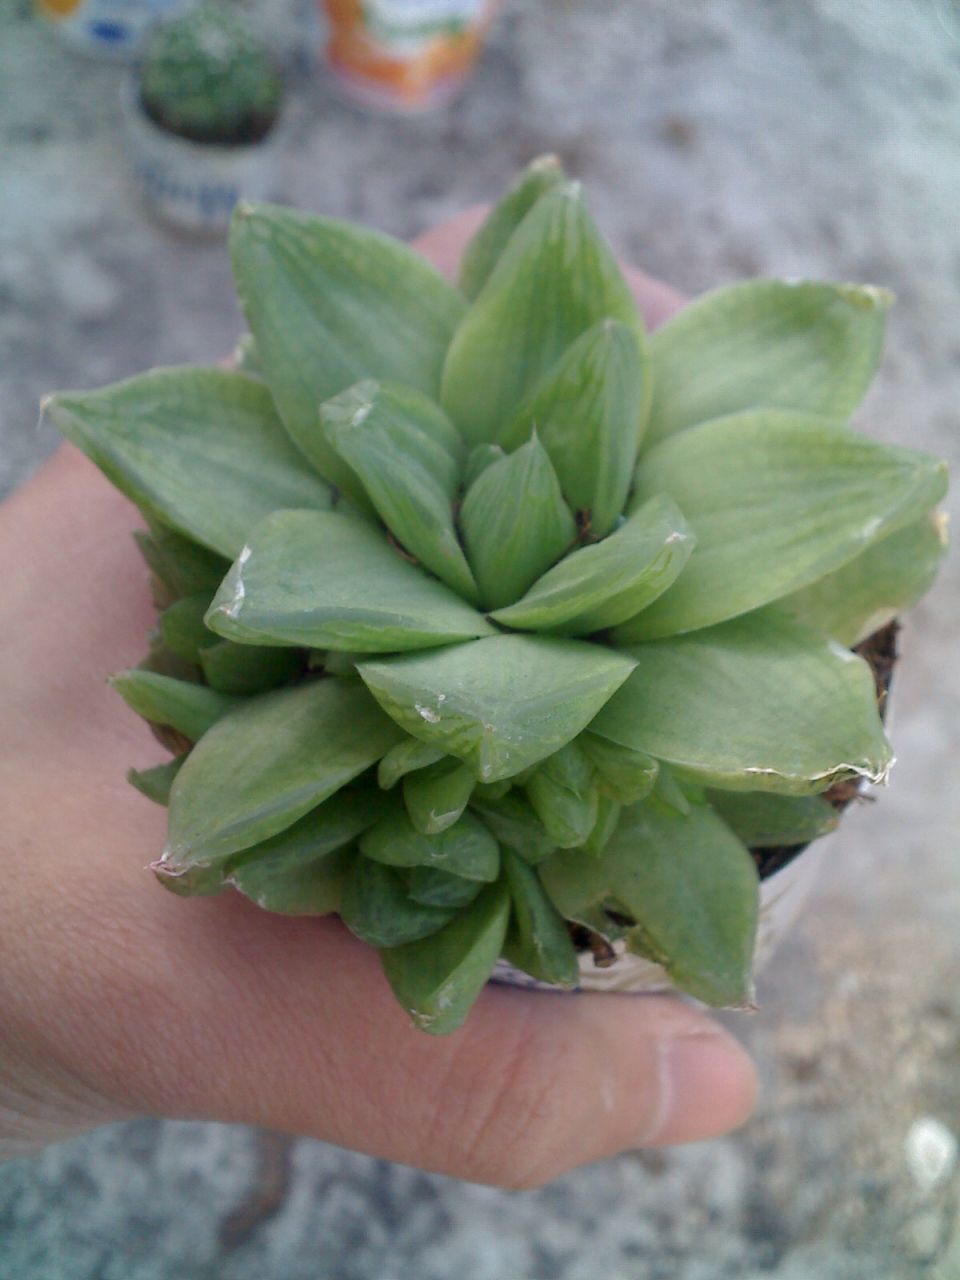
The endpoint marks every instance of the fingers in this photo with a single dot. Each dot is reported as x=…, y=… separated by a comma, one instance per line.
x=444, y=243
x=219, y=1011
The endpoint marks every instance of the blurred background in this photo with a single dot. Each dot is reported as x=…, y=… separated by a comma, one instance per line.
x=717, y=139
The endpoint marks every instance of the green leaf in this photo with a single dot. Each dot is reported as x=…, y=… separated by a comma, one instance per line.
x=189, y=708
x=183, y=567
x=775, y=500
x=689, y=884
x=435, y=797
x=300, y=871
x=436, y=888
x=871, y=590
x=608, y=816
x=623, y=773
x=155, y=783
x=466, y=849
x=182, y=628
x=605, y=584
x=328, y=304
x=376, y=907
x=245, y=356
x=766, y=343
x=245, y=668
x=201, y=450
x=481, y=457
x=408, y=456
x=765, y=821
x=492, y=790
x=402, y=759
x=265, y=765
x=515, y=524
x=667, y=795
x=756, y=704
x=501, y=704
x=563, y=795
x=513, y=822
x=484, y=250
x=589, y=412
x=554, y=280
x=313, y=889
x=329, y=580
x=538, y=941
x=438, y=979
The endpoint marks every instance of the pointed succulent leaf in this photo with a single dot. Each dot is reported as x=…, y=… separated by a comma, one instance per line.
x=689, y=884
x=438, y=979
x=515, y=524
x=265, y=765
x=184, y=567
x=466, y=849
x=189, y=708
x=502, y=703
x=480, y=457
x=756, y=704
x=623, y=773
x=408, y=457
x=404, y=758
x=300, y=870
x=328, y=304
x=483, y=252
x=765, y=821
x=589, y=412
x=295, y=888
x=330, y=580
x=376, y=907
x=513, y=822
x=775, y=500
x=244, y=669
x=605, y=584
x=555, y=279
x=436, y=888
x=868, y=592
x=182, y=628
x=492, y=790
x=538, y=941
x=608, y=816
x=804, y=346
x=201, y=450
x=245, y=356
x=563, y=795
x=155, y=783
x=436, y=797
x=668, y=796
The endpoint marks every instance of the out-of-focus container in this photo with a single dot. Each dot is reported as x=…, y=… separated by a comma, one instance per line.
x=194, y=186
x=107, y=28
x=405, y=55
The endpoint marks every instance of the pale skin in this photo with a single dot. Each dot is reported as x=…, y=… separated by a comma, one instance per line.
x=118, y=999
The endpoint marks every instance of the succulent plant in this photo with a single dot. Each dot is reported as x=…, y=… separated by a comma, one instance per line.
x=488, y=619
x=208, y=77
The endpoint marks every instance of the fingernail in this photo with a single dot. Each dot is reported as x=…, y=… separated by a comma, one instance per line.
x=708, y=1086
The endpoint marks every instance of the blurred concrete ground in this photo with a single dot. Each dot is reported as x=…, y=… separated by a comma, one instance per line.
x=792, y=137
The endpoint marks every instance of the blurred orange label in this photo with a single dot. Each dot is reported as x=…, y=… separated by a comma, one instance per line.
x=58, y=8
x=405, y=54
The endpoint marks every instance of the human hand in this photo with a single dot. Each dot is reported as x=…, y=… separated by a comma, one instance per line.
x=117, y=998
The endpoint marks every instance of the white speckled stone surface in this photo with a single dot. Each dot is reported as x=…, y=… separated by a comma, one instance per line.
x=718, y=139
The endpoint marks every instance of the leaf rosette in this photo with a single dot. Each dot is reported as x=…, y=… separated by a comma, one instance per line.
x=488, y=618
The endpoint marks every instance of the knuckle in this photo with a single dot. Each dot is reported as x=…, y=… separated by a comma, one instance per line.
x=515, y=1132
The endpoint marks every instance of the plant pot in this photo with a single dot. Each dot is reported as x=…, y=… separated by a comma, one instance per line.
x=194, y=186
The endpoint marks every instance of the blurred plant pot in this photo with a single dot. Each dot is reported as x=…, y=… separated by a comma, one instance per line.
x=194, y=186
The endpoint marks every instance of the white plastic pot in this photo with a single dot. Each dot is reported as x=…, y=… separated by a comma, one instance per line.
x=191, y=185
x=782, y=897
